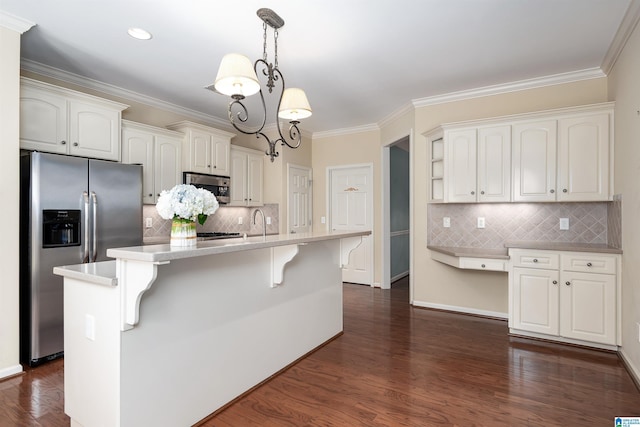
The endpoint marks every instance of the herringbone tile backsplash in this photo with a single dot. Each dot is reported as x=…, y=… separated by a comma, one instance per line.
x=594, y=222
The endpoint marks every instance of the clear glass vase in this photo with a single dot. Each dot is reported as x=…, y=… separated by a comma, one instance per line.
x=183, y=232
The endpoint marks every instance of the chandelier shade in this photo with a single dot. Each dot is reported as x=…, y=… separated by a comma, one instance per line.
x=236, y=76
x=294, y=105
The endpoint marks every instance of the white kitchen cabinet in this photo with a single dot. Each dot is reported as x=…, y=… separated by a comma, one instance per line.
x=159, y=151
x=204, y=149
x=565, y=296
x=59, y=120
x=583, y=158
x=548, y=156
x=534, y=161
x=247, y=168
x=472, y=165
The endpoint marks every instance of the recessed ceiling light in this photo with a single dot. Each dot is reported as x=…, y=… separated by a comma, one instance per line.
x=139, y=33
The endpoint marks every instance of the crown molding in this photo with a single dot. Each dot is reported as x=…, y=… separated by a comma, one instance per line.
x=570, y=77
x=15, y=23
x=346, y=131
x=628, y=24
x=407, y=108
x=112, y=90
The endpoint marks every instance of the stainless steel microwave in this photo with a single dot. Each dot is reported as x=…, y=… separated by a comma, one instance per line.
x=218, y=185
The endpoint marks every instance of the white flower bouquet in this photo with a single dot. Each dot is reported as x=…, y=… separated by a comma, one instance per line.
x=187, y=202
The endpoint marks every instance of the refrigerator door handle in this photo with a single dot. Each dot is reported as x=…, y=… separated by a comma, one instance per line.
x=94, y=237
x=85, y=252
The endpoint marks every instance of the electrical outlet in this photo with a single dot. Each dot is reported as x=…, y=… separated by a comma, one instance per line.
x=446, y=222
x=239, y=220
x=268, y=220
x=564, y=223
x=323, y=220
x=148, y=222
x=480, y=222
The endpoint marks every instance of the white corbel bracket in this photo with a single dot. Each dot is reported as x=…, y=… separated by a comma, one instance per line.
x=280, y=256
x=347, y=245
x=134, y=278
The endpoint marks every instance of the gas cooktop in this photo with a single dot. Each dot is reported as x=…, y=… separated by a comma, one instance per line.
x=216, y=235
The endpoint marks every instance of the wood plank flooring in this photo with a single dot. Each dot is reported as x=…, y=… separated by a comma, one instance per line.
x=398, y=365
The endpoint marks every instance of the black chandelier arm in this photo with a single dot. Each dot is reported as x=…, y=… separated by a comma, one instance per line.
x=294, y=134
x=272, y=152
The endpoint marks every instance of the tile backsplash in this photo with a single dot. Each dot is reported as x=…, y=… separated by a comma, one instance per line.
x=593, y=222
x=224, y=220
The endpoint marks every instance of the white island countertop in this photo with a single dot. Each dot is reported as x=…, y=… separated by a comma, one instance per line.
x=162, y=253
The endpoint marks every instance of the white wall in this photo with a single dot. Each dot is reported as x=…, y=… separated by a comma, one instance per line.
x=10, y=196
x=624, y=89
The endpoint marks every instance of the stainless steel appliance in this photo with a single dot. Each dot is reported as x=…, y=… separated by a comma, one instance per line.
x=218, y=185
x=71, y=210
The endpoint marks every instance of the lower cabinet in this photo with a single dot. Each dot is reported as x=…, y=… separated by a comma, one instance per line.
x=566, y=296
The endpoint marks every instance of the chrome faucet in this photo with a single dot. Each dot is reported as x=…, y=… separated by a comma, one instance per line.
x=264, y=222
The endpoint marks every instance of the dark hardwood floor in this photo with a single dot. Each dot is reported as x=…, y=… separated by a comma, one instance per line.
x=397, y=365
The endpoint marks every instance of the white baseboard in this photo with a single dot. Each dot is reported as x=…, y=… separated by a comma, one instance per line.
x=10, y=371
x=633, y=370
x=466, y=310
x=399, y=276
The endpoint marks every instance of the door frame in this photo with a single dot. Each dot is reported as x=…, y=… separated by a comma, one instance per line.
x=385, y=282
x=293, y=165
x=370, y=208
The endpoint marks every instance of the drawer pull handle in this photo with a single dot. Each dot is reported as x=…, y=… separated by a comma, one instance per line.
x=567, y=283
x=535, y=260
x=555, y=282
x=589, y=264
x=483, y=266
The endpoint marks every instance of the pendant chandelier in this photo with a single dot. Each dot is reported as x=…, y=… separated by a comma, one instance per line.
x=238, y=79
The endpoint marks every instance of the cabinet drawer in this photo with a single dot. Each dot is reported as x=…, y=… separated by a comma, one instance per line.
x=535, y=259
x=483, y=264
x=589, y=263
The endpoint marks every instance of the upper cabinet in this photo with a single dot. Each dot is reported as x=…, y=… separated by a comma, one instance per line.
x=246, y=177
x=159, y=151
x=560, y=155
x=471, y=165
x=58, y=120
x=204, y=149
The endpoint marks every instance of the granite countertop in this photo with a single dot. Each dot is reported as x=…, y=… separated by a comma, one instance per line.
x=565, y=246
x=165, y=252
x=471, y=252
x=503, y=253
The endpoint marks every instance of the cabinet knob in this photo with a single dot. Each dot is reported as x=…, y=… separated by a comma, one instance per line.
x=535, y=260
x=214, y=166
x=63, y=142
x=482, y=192
x=483, y=266
x=564, y=190
x=150, y=195
x=552, y=191
x=567, y=283
x=75, y=144
x=208, y=166
x=589, y=264
x=473, y=192
x=555, y=282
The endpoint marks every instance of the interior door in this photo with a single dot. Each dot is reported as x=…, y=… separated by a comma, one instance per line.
x=299, y=202
x=351, y=190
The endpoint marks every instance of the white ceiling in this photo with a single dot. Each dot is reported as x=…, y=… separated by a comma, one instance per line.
x=359, y=61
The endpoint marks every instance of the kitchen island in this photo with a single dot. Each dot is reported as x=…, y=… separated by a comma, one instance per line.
x=166, y=336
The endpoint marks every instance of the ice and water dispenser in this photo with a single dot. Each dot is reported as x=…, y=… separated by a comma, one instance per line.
x=60, y=228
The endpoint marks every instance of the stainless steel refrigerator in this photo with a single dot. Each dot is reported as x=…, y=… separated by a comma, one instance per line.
x=71, y=210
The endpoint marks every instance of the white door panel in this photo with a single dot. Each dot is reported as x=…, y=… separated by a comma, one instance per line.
x=300, y=196
x=351, y=193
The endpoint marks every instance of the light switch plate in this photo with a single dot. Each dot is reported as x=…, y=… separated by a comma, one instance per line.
x=148, y=222
x=446, y=222
x=240, y=220
x=480, y=222
x=564, y=223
